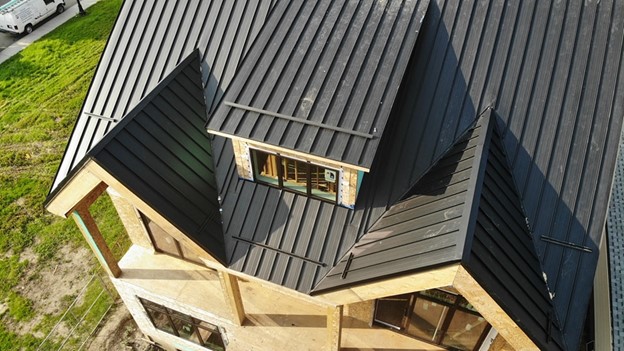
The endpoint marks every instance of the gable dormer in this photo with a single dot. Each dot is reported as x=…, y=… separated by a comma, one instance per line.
x=310, y=102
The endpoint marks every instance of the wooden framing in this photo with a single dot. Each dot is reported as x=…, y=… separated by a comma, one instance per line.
x=131, y=220
x=472, y=291
x=112, y=182
x=74, y=192
x=297, y=154
x=430, y=279
x=92, y=234
x=232, y=295
x=348, y=179
x=334, y=328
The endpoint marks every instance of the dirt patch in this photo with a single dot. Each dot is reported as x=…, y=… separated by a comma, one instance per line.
x=51, y=287
x=119, y=333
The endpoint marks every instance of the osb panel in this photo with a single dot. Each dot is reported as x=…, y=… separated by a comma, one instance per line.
x=131, y=221
x=500, y=344
x=491, y=311
x=430, y=279
x=242, y=159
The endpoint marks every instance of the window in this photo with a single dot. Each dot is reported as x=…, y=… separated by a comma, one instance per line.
x=165, y=243
x=183, y=326
x=436, y=316
x=295, y=175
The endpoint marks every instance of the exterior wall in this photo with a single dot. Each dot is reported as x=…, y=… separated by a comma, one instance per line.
x=130, y=219
x=602, y=301
x=274, y=320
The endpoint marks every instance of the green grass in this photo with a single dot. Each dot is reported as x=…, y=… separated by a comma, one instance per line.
x=41, y=93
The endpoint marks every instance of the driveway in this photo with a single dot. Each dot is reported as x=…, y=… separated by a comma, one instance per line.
x=7, y=39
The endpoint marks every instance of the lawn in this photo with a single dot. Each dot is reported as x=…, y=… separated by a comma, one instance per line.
x=41, y=93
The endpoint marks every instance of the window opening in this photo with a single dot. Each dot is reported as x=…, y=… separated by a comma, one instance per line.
x=184, y=326
x=436, y=316
x=295, y=175
x=165, y=243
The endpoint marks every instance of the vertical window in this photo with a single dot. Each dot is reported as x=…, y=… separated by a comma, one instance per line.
x=165, y=243
x=184, y=326
x=295, y=175
x=265, y=167
x=436, y=316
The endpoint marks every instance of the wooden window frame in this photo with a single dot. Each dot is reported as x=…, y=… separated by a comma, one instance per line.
x=180, y=252
x=280, y=175
x=171, y=314
x=452, y=308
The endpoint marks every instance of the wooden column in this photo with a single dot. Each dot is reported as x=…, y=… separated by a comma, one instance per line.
x=334, y=328
x=92, y=234
x=232, y=295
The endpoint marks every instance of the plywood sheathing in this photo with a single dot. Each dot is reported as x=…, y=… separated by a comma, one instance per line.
x=468, y=287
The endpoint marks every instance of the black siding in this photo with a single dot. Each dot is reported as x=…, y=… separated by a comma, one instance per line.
x=615, y=244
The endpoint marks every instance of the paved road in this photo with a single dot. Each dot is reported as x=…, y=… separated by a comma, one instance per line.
x=8, y=39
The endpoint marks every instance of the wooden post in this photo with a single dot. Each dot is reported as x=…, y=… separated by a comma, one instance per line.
x=232, y=295
x=92, y=234
x=334, y=328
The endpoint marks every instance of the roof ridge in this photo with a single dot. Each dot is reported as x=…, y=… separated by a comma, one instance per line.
x=481, y=209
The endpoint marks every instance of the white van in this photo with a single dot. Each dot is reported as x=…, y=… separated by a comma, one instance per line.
x=20, y=16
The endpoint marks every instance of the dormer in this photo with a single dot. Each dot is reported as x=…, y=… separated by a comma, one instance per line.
x=311, y=100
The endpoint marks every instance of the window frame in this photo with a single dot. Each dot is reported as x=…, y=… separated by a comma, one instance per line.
x=172, y=314
x=448, y=318
x=280, y=175
x=178, y=245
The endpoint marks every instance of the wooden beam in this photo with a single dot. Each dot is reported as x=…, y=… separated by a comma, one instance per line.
x=231, y=292
x=152, y=214
x=470, y=289
x=131, y=220
x=90, y=198
x=96, y=241
x=430, y=279
x=296, y=154
x=334, y=328
x=74, y=192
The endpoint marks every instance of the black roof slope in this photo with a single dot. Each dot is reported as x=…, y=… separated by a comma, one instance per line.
x=426, y=229
x=501, y=256
x=322, y=77
x=551, y=71
x=161, y=151
x=148, y=40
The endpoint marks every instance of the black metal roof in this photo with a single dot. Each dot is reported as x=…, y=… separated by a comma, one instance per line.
x=426, y=229
x=550, y=71
x=148, y=40
x=322, y=77
x=161, y=152
x=500, y=253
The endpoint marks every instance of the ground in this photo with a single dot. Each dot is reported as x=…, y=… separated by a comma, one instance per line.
x=119, y=333
x=52, y=289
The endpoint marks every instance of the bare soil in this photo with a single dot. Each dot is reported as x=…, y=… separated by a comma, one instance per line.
x=51, y=287
x=119, y=333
